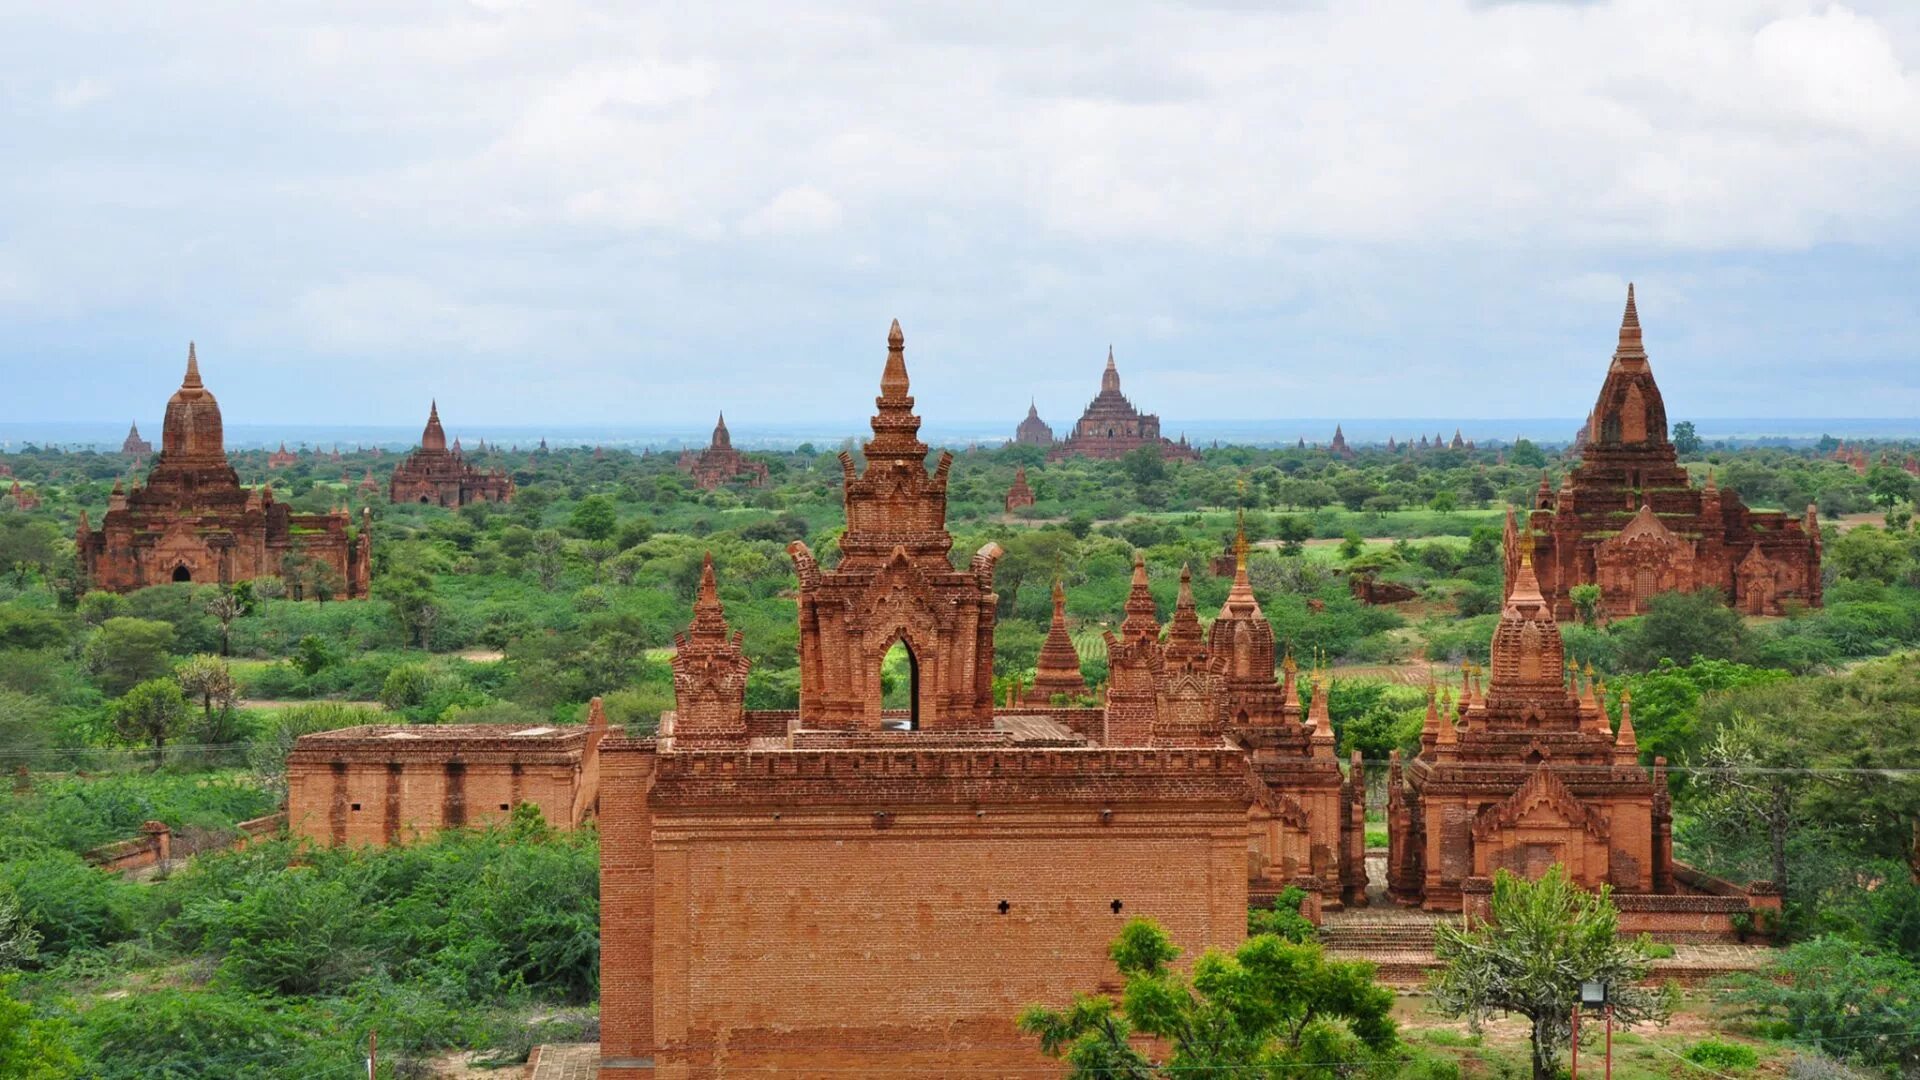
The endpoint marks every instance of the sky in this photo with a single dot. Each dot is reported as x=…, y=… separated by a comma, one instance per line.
x=635, y=213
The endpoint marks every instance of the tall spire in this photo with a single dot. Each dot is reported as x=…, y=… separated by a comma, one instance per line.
x=1185, y=640
x=1110, y=378
x=1141, y=620
x=895, y=427
x=721, y=436
x=434, y=437
x=193, y=369
x=1632, y=350
x=709, y=618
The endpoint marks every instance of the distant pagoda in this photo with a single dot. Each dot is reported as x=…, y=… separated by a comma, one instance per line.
x=1112, y=428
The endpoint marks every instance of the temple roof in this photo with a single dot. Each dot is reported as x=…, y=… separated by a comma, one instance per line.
x=193, y=428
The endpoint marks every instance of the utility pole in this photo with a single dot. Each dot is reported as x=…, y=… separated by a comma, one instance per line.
x=373, y=1044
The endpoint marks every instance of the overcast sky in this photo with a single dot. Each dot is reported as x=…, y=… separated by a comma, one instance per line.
x=556, y=212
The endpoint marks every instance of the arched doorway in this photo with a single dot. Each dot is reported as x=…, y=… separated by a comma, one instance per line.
x=900, y=686
x=181, y=573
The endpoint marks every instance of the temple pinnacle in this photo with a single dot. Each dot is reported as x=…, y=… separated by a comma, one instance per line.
x=193, y=368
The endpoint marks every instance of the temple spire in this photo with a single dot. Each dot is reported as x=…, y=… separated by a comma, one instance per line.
x=1141, y=620
x=193, y=369
x=1632, y=350
x=1110, y=378
x=1626, y=747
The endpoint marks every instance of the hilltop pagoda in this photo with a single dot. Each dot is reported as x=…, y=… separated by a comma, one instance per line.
x=1629, y=519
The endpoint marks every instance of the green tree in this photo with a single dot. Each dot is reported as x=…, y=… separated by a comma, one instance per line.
x=30, y=1048
x=124, y=652
x=27, y=547
x=1541, y=941
x=1444, y=501
x=594, y=518
x=410, y=596
x=208, y=680
x=1586, y=603
x=1269, y=1008
x=1679, y=626
x=1144, y=466
x=1835, y=996
x=151, y=713
x=19, y=941
x=1891, y=487
x=1865, y=553
x=1526, y=455
x=226, y=607
x=1686, y=440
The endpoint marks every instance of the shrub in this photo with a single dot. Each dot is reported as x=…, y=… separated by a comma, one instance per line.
x=1716, y=1054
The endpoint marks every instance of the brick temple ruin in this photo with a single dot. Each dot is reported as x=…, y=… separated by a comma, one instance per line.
x=381, y=784
x=435, y=475
x=134, y=444
x=720, y=463
x=906, y=880
x=192, y=521
x=1111, y=428
x=1629, y=519
x=1019, y=495
x=1528, y=772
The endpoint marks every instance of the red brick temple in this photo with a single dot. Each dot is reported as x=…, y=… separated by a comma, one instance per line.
x=192, y=521
x=1529, y=773
x=998, y=850
x=437, y=476
x=23, y=498
x=1111, y=428
x=282, y=458
x=720, y=462
x=1019, y=495
x=1629, y=519
x=1033, y=431
x=134, y=444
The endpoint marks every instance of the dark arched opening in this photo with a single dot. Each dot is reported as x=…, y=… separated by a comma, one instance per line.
x=424, y=500
x=900, y=686
x=181, y=573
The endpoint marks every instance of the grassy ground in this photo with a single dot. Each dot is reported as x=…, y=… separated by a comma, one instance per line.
x=1500, y=1049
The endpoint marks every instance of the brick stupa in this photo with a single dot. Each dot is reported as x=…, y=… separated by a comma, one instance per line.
x=435, y=475
x=192, y=521
x=1629, y=519
x=1019, y=495
x=1112, y=428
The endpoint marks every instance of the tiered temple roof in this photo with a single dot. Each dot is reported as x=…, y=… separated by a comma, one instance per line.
x=720, y=462
x=440, y=476
x=1111, y=427
x=192, y=521
x=1629, y=519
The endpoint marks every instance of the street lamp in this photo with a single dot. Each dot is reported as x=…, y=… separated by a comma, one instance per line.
x=1593, y=994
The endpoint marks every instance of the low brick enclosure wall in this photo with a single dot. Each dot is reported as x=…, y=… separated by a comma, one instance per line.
x=1709, y=909
x=158, y=845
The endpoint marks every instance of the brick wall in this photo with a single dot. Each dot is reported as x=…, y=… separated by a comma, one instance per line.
x=866, y=931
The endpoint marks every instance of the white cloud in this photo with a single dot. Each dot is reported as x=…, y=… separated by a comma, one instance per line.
x=79, y=93
x=795, y=211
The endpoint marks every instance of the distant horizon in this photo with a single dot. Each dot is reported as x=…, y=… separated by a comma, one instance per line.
x=1362, y=432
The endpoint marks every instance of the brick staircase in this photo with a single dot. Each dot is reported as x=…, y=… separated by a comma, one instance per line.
x=1397, y=941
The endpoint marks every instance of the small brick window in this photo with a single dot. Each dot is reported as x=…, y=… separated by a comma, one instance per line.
x=504, y=806
x=1116, y=906
x=1005, y=907
x=356, y=806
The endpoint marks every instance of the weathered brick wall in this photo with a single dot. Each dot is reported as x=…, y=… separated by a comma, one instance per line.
x=377, y=802
x=864, y=930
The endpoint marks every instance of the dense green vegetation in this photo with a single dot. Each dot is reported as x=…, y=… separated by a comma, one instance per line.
x=178, y=702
